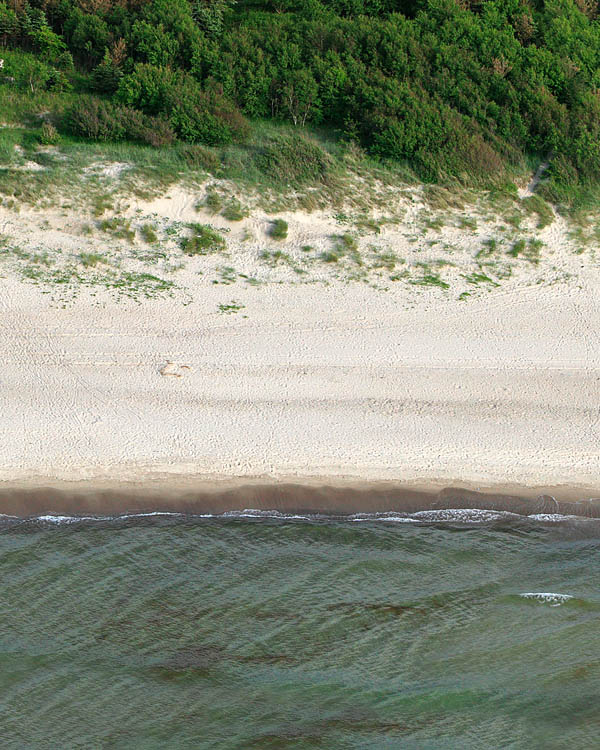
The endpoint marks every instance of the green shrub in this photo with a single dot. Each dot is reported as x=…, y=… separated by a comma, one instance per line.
x=199, y=157
x=207, y=117
x=294, y=160
x=147, y=88
x=195, y=114
x=234, y=211
x=154, y=131
x=461, y=89
x=204, y=241
x=100, y=120
x=279, y=229
x=9, y=24
x=148, y=232
x=49, y=135
x=32, y=74
x=95, y=119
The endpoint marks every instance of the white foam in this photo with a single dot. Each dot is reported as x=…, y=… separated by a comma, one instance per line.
x=554, y=600
x=66, y=519
x=247, y=513
x=51, y=518
x=147, y=515
x=447, y=515
x=554, y=517
x=389, y=519
x=468, y=515
x=460, y=515
x=255, y=513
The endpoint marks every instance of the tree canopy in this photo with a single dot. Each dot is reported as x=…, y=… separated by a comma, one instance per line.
x=453, y=87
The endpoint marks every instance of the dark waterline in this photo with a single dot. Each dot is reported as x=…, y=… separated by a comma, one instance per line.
x=80, y=499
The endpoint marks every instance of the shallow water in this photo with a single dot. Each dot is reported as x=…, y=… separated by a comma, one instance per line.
x=436, y=630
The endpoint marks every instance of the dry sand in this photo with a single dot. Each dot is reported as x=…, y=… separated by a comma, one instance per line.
x=339, y=380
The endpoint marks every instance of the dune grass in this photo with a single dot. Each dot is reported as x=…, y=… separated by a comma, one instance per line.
x=204, y=241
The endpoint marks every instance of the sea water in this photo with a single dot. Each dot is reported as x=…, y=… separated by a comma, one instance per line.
x=450, y=629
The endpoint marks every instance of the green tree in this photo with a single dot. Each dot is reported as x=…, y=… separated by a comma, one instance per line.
x=153, y=44
x=195, y=114
x=209, y=14
x=300, y=96
x=9, y=24
x=88, y=36
x=106, y=76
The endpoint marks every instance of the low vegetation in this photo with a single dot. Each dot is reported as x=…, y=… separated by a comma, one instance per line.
x=148, y=232
x=541, y=208
x=234, y=211
x=527, y=249
x=430, y=279
x=204, y=241
x=118, y=227
x=278, y=229
x=90, y=260
x=230, y=307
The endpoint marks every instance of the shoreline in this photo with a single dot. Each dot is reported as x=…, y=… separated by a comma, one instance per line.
x=194, y=495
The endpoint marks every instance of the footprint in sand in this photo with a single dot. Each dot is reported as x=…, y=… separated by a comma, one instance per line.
x=175, y=370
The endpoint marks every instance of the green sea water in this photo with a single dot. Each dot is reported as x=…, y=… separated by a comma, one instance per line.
x=276, y=633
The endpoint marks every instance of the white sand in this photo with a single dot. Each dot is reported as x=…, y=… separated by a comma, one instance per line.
x=329, y=382
x=338, y=381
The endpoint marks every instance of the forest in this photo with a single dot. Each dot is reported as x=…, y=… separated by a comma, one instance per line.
x=465, y=89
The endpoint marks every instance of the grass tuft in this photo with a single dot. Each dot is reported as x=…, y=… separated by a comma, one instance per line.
x=430, y=279
x=234, y=211
x=294, y=160
x=118, y=227
x=90, y=260
x=213, y=202
x=537, y=205
x=148, y=232
x=530, y=250
x=204, y=241
x=279, y=229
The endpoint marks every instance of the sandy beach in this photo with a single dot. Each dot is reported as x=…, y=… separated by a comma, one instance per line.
x=330, y=380
x=339, y=383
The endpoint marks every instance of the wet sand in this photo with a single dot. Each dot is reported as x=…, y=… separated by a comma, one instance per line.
x=186, y=496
